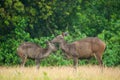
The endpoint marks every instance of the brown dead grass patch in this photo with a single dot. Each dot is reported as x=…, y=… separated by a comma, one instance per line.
x=59, y=73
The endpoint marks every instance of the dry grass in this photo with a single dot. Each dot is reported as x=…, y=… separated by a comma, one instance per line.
x=59, y=73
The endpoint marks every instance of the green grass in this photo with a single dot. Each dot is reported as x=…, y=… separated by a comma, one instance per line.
x=59, y=73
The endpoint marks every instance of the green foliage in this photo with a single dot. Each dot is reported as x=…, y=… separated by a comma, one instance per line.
x=40, y=21
x=111, y=56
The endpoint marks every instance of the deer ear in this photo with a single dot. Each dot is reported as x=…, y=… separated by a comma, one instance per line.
x=62, y=34
x=65, y=34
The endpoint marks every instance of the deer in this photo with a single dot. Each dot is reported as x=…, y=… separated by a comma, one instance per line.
x=81, y=49
x=34, y=51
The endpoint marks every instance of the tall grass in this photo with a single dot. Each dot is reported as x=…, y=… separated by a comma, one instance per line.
x=59, y=73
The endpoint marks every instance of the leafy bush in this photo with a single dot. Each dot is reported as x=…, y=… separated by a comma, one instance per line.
x=40, y=21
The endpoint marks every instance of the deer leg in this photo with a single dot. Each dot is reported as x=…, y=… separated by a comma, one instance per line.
x=23, y=61
x=37, y=63
x=75, y=62
x=99, y=59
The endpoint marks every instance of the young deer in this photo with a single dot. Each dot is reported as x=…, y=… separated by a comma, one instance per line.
x=34, y=51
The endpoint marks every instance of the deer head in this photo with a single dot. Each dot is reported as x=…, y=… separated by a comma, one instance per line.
x=59, y=38
x=51, y=46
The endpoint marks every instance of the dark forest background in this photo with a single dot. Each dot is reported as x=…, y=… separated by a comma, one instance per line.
x=40, y=21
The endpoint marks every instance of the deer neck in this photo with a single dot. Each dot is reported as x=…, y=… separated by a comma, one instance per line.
x=63, y=46
x=47, y=52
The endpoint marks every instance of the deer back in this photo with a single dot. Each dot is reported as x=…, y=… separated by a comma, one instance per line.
x=88, y=46
x=29, y=49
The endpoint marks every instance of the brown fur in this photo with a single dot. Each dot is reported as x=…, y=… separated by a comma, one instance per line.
x=84, y=48
x=34, y=51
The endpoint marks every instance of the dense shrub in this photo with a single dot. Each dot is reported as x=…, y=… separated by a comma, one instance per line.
x=41, y=20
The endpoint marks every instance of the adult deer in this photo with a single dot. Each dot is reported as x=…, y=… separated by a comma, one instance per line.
x=34, y=51
x=84, y=48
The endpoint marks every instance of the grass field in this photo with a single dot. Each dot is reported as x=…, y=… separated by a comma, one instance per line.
x=59, y=73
